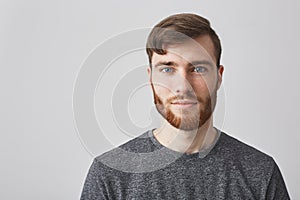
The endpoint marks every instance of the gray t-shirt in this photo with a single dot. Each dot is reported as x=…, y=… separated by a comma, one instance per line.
x=144, y=169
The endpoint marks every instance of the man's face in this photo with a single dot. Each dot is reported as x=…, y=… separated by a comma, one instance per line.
x=185, y=81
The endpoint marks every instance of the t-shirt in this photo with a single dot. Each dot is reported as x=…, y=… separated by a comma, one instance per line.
x=144, y=169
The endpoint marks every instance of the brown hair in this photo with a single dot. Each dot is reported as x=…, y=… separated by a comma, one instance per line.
x=176, y=29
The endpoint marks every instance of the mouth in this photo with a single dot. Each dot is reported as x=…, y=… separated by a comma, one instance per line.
x=182, y=104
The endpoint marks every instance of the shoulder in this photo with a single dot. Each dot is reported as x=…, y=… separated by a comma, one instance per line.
x=140, y=144
x=249, y=163
x=126, y=156
x=248, y=156
x=235, y=147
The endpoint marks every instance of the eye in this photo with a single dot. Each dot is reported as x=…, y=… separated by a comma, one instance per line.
x=167, y=70
x=199, y=69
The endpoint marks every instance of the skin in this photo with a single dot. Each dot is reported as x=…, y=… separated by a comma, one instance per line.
x=185, y=81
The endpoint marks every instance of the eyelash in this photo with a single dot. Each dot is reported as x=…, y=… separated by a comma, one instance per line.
x=172, y=70
x=169, y=68
x=205, y=69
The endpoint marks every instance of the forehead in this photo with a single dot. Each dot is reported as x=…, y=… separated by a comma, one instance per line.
x=200, y=48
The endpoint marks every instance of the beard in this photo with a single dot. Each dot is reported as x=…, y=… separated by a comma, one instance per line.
x=186, y=119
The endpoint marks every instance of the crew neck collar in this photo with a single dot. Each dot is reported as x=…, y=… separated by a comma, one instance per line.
x=201, y=154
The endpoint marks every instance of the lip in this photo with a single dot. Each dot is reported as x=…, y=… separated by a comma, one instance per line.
x=183, y=103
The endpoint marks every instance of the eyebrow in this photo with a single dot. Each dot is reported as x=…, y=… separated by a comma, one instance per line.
x=202, y=62
x=193, y=63
x=168, y=63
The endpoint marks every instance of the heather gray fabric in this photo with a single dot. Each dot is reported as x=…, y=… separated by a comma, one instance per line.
x=229, y=169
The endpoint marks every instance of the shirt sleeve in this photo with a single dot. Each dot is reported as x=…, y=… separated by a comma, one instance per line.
x=277, y=189
x=94, y=188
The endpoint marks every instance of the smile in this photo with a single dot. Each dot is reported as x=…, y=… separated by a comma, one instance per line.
x=183, y=103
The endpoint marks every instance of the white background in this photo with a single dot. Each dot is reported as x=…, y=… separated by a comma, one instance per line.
x=44, y=43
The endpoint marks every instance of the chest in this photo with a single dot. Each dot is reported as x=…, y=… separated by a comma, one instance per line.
x=189, y=180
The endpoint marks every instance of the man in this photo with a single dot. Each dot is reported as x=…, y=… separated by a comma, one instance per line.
x=187, y=157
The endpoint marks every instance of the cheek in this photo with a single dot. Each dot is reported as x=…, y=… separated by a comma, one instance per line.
x=162, y=92
x=202, y=88
x=163, y=86
x=199, y=84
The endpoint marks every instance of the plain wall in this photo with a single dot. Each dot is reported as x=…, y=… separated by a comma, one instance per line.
x=45, y=44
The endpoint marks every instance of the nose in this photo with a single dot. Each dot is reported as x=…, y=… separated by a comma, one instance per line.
x=182, y=84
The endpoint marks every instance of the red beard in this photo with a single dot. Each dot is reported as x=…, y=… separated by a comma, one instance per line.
x=186, y=120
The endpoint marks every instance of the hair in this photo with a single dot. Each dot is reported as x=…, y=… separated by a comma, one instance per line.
x=176, y=29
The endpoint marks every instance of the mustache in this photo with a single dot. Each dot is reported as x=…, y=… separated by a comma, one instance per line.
x=188, y=97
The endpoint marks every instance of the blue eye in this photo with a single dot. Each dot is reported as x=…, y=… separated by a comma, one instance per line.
x=167, y=70
x=199, y=69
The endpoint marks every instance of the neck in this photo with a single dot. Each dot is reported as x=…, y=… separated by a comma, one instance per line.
x=186, y=141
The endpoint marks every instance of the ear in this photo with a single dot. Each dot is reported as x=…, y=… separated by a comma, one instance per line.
x=220, y=75
x=149, y=71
